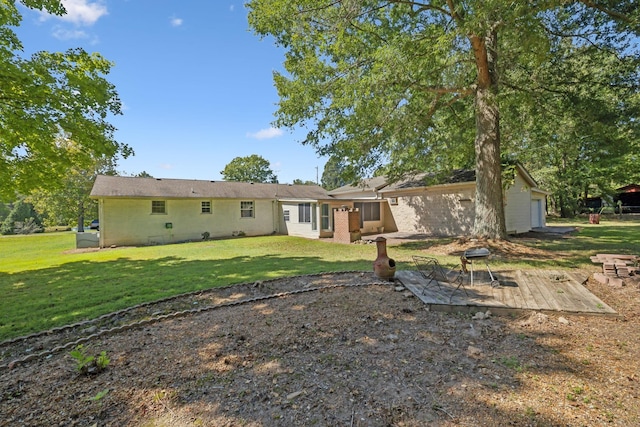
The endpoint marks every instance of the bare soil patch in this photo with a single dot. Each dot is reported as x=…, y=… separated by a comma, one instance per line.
x=362, y=355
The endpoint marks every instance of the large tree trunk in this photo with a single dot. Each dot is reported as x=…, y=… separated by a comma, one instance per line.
x=489, y=208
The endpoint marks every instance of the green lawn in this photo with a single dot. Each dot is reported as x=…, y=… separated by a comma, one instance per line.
x=44, y=283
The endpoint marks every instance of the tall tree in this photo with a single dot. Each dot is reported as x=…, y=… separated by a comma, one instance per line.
x=334, y=174
x=70, y=202
x=47, y=98
x=390, y=81
x=584, y=137
x=251, y=168
x=24, y=214
x=143, y=174
x=4, y=211
x=298, y=181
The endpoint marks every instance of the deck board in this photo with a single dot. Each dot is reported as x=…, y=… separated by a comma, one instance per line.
x=540, y=290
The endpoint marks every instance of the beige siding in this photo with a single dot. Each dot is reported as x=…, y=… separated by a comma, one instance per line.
x=294, y=227
x=438, y=212
x=130, y=221
x=517, y=209
x=389, y=223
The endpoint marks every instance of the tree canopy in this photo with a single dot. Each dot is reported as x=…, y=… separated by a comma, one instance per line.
x=298, y=181
x=253, y=168
x=23, y=219
x=54, y=109
x=70, y=203
x=333, y=175
x=433, y=85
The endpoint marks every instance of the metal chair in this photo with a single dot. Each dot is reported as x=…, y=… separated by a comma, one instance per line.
x=433, y=271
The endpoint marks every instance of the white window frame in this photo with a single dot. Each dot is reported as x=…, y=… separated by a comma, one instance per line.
x=325, y=216
x=205, y=207
x=304, y=213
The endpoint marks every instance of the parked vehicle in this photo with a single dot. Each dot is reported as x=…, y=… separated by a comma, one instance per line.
x=95, y=225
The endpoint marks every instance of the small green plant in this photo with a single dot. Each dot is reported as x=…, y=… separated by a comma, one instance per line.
x=578, y=390
x=575, y=392
x=102, y=360
x=87, y=364
x=83, y=361
x=512, y=362
x=99, y=395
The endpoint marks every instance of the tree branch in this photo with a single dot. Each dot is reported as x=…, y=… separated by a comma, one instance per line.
x=617, y=15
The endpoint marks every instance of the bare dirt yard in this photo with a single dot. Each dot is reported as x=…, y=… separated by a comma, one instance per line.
x=346, y=351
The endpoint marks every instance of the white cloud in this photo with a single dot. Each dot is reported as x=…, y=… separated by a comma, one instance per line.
x=265, y=133
x=176, y=22
x=166, y=166
x=80, y=12
x=232, y=7
x=64, y=34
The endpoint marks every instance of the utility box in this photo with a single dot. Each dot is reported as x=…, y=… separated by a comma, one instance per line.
x=87, y=240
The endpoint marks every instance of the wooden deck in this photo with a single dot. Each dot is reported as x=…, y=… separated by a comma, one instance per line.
x=519, y=290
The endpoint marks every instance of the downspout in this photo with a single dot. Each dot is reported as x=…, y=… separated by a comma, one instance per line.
x=101, y=219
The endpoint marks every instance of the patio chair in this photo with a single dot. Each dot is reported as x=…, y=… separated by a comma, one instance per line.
x=433, y=271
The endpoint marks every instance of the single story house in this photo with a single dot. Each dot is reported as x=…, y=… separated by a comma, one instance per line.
x=444, y=205
x=146, y=211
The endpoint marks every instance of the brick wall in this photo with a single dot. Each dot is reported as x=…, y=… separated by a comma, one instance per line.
x=347, y=225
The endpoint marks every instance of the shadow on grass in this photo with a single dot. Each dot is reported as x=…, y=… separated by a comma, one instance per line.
x=37, y=300
x=548, y=250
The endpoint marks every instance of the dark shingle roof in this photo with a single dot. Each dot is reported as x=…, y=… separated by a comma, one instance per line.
x=369, y=184
x=429, y=179
x=122, y=186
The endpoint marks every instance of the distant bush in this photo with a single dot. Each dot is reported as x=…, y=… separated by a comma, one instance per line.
x=23, y=219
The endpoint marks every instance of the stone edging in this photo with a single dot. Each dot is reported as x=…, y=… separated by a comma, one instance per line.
x=161, y=317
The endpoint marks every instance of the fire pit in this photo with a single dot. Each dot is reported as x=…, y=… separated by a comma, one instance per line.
x=383, y=267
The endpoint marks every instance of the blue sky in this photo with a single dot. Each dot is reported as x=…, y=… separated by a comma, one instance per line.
x=195, y=83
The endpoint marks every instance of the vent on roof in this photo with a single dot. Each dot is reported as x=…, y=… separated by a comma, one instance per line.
x=158, y=179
